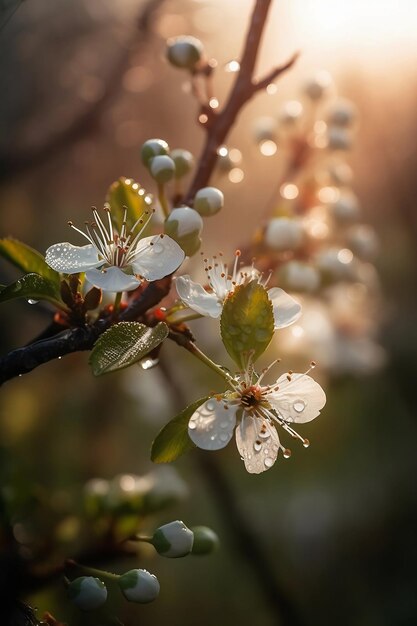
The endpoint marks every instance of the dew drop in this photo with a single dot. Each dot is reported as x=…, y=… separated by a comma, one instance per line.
x=31, y=301
x=192, y=425
x=306, y=443
x=148, y=363
x=59, y=358
x=299, y=406
x=224, y=436
x=264, y=435
x=213, y=437
x=210, y=405
x=257, y=446
x=158, y=248
x=269, y=462
x=224, y=424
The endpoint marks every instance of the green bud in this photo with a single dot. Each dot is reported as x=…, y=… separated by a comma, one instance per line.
x=139, y=585
x=183, y=160
x=87, y=593
x=153, y=148
x=184, y=225
x=162, y=169
x=205, y=540
x=208, y=201
x=173, y=540
x=184, y=52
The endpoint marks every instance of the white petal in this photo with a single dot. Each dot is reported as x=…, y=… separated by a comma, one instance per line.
x=298, y=400
x=69, y=259
x=197, y=298
x=112, y=279
x=161, y=258
x=211, y=426
x=258, y=443
x=286, y=309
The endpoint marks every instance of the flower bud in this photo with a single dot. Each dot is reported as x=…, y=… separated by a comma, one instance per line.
x=184, y=225
x=139, y=585
x=205, y=540
x=208, y=201
x=283, y=233
x=173, y=540
x=363, y=241
x=183, y=160
x=346, y=208
x=290, y=113
x=153, y=148
x=338, y=138
x=317, y=86
x=336, y=264
x=184, y=52
x=87, y=592
x=299, y=276
x=340, y=173
x=342, y=113
x=162, y=168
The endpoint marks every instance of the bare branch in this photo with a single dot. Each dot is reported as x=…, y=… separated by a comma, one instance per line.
x=274, y=74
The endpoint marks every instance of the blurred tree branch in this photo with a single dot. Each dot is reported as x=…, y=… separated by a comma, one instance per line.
x=14, y=164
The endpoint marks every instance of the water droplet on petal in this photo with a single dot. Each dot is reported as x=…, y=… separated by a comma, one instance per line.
x=299, y=406
x=257, y=446
x=224, y=424
x=224, y=436
x=158, y=248
x=264, y=435
x=210, y=405
x=31, y=301
x=192, y=425
x=269, y=462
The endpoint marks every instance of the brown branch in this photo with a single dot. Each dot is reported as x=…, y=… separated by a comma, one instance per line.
x=13, y=164
x=275, y=73
x=219, y=124
x=24, y=360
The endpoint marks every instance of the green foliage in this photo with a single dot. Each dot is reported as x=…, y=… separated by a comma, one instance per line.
x=173, y=440
x=247, y=322
x=27, y=259
x=126, y=193
x=124, y=344
x=33, y=287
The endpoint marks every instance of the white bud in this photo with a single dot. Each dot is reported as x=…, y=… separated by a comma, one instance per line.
x=208, y=201
x=139, y=585
x=87, y=592
x=264, y=128
x=342, y=113
x=336, y=264
x=184, y=51
x=340, y=173
x=346, y=208
x=363, y=241
x=173, y=540
x=152, y=148
x=338, y=138
x=298, y=276
x=184, y=225
x=162, y=168
x=316, y=87
x=290, y=113
x=183, y=160
x=283, y=233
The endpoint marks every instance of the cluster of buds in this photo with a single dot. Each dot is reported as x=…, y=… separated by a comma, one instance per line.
x=183, y=224
x=172, y=540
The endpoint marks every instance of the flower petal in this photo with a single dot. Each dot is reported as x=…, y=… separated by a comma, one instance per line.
x=197, y=298
x=211, y=426
x=69, y=259
x=112, y=279
x=297, y=400
x=286, y=309
x=157, y=257
x=258, y=443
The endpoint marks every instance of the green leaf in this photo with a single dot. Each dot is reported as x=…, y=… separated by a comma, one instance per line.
x=125, y=192
x=27, y=259
x=33, y=287
x=124, y=344
x=173, y=440
x=247, y=322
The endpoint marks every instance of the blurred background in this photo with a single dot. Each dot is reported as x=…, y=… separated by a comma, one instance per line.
x=83, y=84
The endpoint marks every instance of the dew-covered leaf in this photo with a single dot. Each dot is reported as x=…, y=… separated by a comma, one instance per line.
x=173, y=440
x=32, y=287
x=127, y=193
x=247, y=322
x=124, y=344
x=27, y=259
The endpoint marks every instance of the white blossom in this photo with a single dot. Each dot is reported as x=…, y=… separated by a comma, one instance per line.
x=252, y=411
x=209, y=301
x=116, y=261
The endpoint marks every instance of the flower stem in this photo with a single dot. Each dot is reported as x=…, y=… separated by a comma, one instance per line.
x=163, y=200
x=90, y=571
x=191, y=347
x=116, y=304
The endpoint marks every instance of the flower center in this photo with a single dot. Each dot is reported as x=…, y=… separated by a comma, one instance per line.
x=251, y=397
